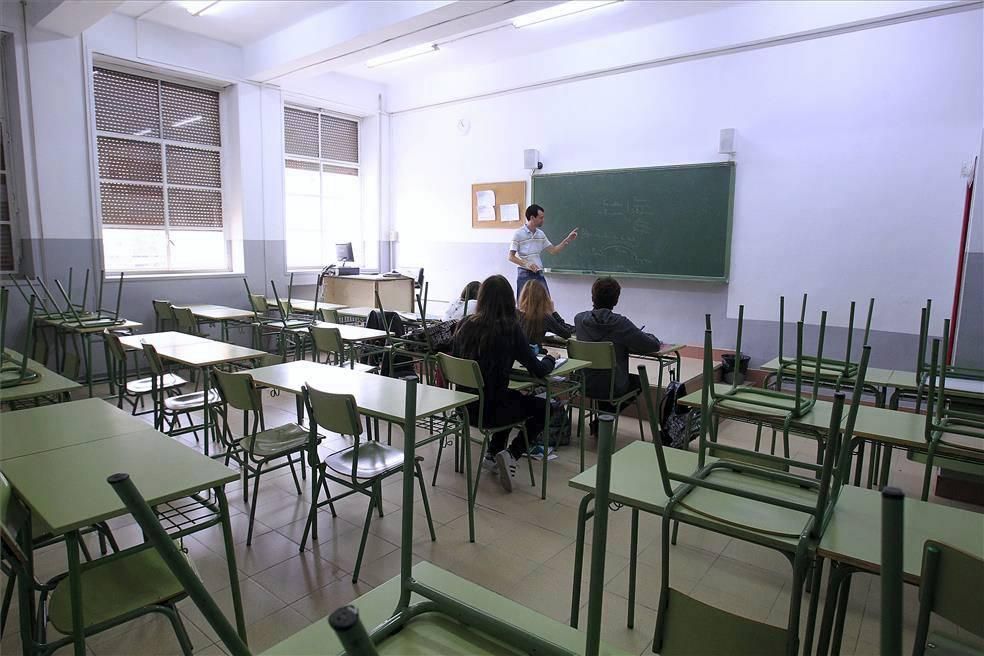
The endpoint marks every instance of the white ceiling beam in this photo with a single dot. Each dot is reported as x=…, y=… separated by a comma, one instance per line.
x=354, y=32
x=68, y=17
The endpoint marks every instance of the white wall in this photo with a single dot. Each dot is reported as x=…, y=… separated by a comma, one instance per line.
x=848, y=179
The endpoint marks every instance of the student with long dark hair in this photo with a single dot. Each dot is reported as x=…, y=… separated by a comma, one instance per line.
x=493, y=337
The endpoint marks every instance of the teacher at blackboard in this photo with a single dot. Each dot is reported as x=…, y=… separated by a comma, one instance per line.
x=527, y=244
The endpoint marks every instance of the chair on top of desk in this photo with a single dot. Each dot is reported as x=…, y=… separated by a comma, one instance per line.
x=789, y=407
x=263, y=324
x=845, y=369
x=753, y=497
x=496, y=624
x=947, y=418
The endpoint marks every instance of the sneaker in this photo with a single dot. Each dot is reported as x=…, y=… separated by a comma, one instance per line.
x=507, y=469
x=489, y=465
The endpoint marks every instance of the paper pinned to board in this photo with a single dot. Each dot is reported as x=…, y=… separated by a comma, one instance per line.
x=486, y=213
x=509, y=212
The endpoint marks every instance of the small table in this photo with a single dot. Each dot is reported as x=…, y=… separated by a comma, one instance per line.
x=220, y=314
x=86, y=332
x=852, y=542
x=199, y=353
x=65, y=486
x=376, y=396
x=47, y=383
x=557, y=383
x=350, y=334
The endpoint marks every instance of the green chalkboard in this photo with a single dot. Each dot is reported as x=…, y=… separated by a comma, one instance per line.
x=658, y=222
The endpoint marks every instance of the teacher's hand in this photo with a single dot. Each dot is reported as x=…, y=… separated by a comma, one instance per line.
x=571, y=237
x=534, y=267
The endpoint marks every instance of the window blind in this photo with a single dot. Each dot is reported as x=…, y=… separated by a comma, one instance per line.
x=159, y=153
x=320, y=136
x=7, y=259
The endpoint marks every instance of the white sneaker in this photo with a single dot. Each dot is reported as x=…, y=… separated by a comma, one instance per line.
x=507, y=469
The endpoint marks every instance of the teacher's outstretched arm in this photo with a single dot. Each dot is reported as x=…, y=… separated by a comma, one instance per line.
x=556, y=248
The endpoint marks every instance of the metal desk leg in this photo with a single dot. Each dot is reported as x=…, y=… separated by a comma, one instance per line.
x=25, y=594
x=87, y=338
x=633, y=560
x=75, y=586
x=886, y=466
x=237, y=597
x=206, y=409
x=838, y=590
x=545, y=441
x=468, y=480
x=811, y=615
x=580, y=420
x=583, y=515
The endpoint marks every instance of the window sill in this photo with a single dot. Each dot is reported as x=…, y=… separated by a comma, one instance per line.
x=133, y=277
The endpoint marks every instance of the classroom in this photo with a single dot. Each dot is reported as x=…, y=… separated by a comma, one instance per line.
x=493, y=327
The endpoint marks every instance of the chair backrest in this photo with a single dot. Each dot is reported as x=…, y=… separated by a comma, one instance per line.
x=238, y=390
x=327, y=340
x=601, y=355
x=12, y=522
x=114, y=347
x=268, y=360
x=336, y=413
x=952, y=587
x=176, y=562
x=328, y=315
x=153, y=360
x=162, y=310
x=464, y=373
x=185, y=319
x=258, y=304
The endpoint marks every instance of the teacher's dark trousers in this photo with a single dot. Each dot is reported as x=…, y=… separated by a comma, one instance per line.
x=523, y=276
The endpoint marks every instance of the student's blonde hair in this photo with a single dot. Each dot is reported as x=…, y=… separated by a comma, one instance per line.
x=536, y=305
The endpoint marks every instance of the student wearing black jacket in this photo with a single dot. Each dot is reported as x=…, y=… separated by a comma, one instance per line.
x=603, y=324
x=493, y=337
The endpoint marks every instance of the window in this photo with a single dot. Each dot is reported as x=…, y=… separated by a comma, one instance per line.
x=322, y=188
x=160, y=174
x=8, y=246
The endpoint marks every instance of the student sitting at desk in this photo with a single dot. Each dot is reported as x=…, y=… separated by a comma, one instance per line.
x=492, y=336
x=537, y=315
x=602, y=324
x=456, y=311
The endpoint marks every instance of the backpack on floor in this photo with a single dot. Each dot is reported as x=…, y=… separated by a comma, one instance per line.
x=673, y=418
x=559, y=430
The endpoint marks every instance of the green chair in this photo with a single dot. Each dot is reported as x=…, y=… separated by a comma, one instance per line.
x=946, y=418
x=845, y=369
x=168, y=407
x=327, y=343
x=892, y=537
x=185, y=321
x=133, y=391
x=601, y=355
x=467, y=377
x=754, y=500
x=361, y=467
x=163, y=315
x=115, y=589
x=258, y=446
x=263, y=324
x=952, y=587
x=328, y=315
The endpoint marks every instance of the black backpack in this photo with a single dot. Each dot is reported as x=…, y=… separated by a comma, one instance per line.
x=673, y=418
x=559, y=431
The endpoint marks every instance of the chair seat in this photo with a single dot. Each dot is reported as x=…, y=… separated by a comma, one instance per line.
x=189, y=402
x=276, y=441
x=114, y=588
x=695, y=629
x=144, y=385
x=780, y=524
x=375, y=459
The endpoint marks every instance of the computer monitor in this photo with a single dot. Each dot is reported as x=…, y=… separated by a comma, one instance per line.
x=343, y=252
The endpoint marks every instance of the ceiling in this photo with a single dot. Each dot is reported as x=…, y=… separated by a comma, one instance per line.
x=239, y=22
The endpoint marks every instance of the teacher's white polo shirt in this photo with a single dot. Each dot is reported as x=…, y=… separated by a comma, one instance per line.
x=528, y=245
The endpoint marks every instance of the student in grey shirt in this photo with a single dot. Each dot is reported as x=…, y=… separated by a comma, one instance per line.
x=527, y=244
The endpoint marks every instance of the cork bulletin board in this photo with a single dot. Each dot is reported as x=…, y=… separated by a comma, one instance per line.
x=507, y=210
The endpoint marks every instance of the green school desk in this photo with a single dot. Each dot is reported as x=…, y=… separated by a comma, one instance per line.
x=219, y=314
x=200, y=354
x=65, y=327
x=66, y=489
x=852, y=542
x=876, y=381
x=431, y=633
x=379, y=397
x=49, y=383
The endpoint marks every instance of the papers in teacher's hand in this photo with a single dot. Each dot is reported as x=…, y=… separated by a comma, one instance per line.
x=485, y=201
x=509, y=212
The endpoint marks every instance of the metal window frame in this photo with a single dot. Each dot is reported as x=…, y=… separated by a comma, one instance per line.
x=9, y=171
x=357, y=166
x=93, y=63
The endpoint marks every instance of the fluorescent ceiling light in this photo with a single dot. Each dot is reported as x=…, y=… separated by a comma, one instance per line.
x=186, y=121
x=556, y=11
x=198, y=7
x=402, y=54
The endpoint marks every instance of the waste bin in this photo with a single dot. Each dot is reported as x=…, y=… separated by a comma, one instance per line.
x=728, y=368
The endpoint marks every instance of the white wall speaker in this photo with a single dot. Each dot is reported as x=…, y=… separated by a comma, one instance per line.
x=531, y=159
x=726, y=143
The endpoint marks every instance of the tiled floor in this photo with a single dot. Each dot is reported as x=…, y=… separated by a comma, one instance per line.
x=524, y=550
